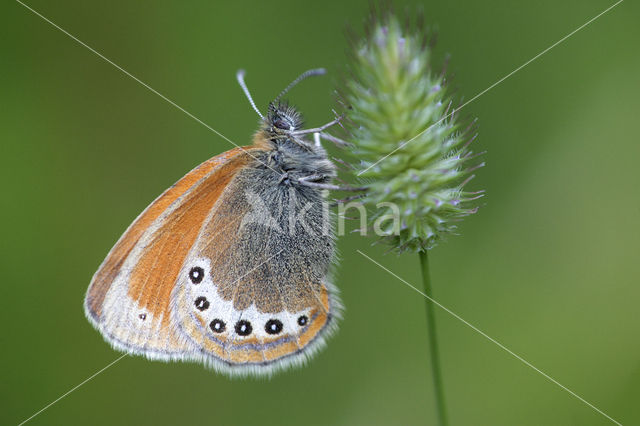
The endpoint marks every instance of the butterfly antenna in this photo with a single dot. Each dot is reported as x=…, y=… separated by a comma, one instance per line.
x=310, y=73
x=240, y=77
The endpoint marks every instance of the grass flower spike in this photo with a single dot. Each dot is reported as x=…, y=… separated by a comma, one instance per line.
x=412, y=154
x=411, y=151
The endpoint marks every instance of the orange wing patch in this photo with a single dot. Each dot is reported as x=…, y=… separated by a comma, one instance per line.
x=109, y=269
x=163, y=258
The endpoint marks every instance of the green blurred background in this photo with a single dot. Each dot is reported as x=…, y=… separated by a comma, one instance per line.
x=549, y=266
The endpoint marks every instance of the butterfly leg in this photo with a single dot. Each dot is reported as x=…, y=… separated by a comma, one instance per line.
x=315, y=181
x=318, y=129
x=335, y=140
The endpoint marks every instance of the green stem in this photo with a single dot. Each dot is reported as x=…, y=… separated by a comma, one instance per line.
x=433, y=341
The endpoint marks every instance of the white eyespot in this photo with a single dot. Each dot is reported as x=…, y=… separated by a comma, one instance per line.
x=201, y=303
x=196, y=274
x=243, y=328
x=218, y=326
x=273, y=326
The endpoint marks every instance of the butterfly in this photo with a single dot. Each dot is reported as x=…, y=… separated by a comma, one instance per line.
x=231, y=266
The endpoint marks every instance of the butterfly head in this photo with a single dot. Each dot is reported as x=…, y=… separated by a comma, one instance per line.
x=281, y=128
x=281, y=120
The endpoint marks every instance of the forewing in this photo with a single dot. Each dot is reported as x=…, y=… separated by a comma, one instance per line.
x=129, y=296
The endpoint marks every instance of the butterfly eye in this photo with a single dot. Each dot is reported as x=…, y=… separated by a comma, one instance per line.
x=281, y=124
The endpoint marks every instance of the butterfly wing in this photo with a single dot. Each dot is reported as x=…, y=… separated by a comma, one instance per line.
x=206, y=274
x=260, y=300
x=128, y=298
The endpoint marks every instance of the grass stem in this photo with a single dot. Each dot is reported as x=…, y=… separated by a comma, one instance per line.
x=433, y=341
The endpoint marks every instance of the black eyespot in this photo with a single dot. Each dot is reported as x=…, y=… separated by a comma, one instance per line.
x=281, y=124
x=202, y=303
x=142, y=316
x=218, y=326
x=243, y=328
x=303, y=320
x=273, y=326
x=196, y=275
